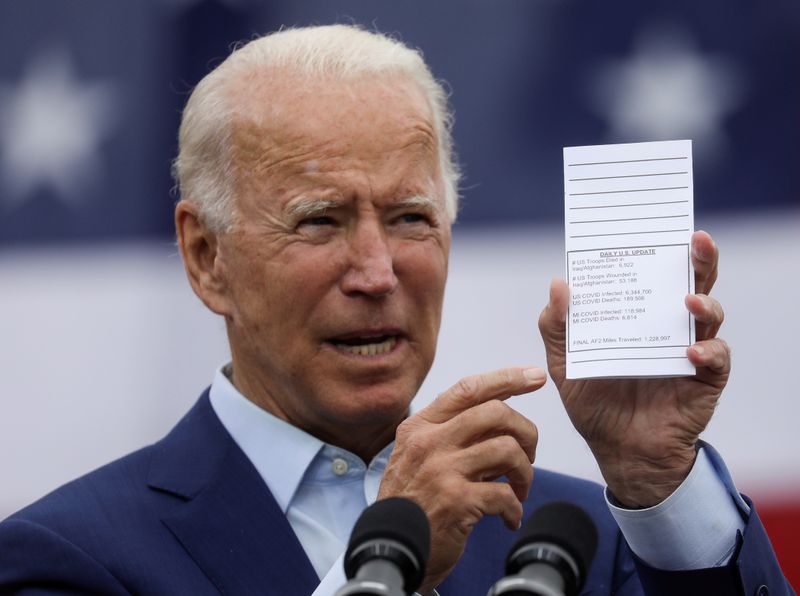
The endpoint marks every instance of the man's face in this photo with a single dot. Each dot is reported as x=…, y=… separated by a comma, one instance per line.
x=335, y=271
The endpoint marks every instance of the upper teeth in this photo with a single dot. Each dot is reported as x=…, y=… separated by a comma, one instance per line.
x=370, y=349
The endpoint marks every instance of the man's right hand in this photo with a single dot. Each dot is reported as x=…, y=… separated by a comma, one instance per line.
x=447, y=457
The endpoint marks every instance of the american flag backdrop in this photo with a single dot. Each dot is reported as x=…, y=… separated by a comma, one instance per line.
x=103, y=346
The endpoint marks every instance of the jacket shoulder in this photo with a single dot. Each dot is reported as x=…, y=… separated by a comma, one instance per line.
x=104, y=493
x=131, y=486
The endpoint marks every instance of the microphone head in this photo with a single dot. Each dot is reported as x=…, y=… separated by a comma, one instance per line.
x=397, y=519
x=563, y=524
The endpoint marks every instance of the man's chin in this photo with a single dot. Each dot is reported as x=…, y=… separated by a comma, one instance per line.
x=363, y=427
x=373, y=406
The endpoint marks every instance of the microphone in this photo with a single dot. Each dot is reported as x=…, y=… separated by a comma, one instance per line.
x=552, y=555
x=388, y=550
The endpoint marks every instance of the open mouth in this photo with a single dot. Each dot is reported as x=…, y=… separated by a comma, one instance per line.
x=366, y=345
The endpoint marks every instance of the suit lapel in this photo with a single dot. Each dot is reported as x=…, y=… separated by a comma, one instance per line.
x=229, y=522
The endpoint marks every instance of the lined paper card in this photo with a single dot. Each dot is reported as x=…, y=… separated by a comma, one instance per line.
x=629, y=218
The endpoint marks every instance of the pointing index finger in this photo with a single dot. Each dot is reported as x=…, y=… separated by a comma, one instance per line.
x=477, y=389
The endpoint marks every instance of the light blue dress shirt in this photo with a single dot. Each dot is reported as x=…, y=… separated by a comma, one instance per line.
x=323, y=489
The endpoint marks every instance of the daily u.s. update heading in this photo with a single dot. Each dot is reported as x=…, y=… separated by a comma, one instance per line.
x=629, y=218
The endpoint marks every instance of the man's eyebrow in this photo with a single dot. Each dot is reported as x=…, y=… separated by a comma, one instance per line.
x=310, y=206
x=416, y=202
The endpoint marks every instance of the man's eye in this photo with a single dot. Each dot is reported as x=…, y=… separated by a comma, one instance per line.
x=318, y=221
x=412, y=218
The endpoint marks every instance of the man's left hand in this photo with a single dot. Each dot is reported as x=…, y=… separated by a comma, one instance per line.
x=643, y=432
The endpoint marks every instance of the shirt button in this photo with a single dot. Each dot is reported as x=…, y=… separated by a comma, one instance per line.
x=762, y=591
x=339, y=466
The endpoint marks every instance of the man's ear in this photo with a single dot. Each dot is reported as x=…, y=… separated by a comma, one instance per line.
x=200, y=251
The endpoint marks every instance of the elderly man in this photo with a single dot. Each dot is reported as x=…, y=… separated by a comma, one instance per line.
x=318, y=192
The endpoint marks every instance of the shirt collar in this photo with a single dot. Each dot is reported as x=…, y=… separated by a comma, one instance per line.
x=261, y=436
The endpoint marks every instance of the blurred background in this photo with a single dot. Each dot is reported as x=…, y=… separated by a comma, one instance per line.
x=103, y=346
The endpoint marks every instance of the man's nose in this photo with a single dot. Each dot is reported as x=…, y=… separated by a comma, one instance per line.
x=370, y=262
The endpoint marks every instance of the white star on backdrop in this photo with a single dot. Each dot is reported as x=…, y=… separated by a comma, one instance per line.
x=51, y=127
x=667, y=89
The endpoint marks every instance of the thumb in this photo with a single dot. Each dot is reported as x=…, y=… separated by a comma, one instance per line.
x=552, y=326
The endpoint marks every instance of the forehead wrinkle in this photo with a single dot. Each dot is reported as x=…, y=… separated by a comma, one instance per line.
x=268, y=148
x=272, y=104
x=423, y=134
x=421, y=146
x=258, y=150
x=420, y=140
x=423, y=161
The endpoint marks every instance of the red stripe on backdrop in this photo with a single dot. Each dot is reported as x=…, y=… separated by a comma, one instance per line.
x=782, y=520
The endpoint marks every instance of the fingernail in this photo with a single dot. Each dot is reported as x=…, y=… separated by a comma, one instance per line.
x=535, y=374
x=703, y=255
x=699, y=350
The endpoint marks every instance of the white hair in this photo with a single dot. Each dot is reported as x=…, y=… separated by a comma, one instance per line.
x=204, y=166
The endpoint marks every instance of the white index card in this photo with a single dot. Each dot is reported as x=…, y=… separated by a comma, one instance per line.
x=629, y=218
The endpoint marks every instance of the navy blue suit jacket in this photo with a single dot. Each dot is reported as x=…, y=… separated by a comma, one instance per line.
x=190, y=515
